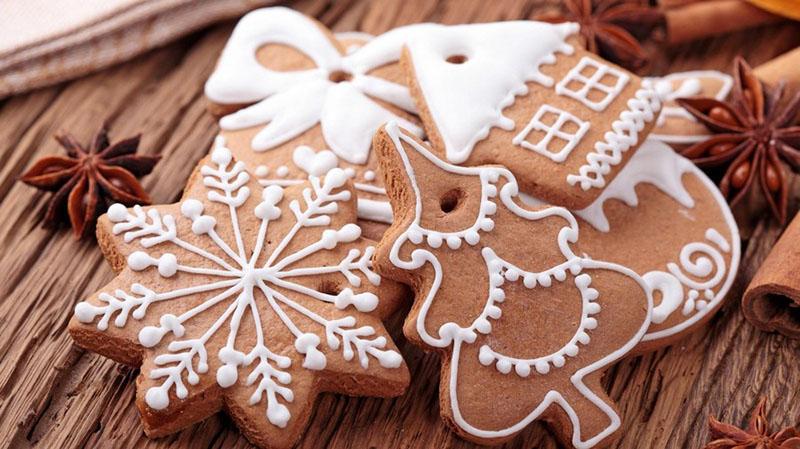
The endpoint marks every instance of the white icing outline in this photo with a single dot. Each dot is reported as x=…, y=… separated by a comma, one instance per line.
x=592, y=83
x=657, y=164
x=679, y=112
x=289, y=103
x=643, y=108
x=451, y=333
x=551, y=131
x=238, y=274
x=317, y=163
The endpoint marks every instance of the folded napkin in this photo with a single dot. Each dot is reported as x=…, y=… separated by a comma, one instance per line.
x=44, y=42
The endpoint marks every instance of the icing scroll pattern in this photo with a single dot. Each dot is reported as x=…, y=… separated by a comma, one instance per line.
x=690, y=284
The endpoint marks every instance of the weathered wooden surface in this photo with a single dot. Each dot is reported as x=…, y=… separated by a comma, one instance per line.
x=55, y=395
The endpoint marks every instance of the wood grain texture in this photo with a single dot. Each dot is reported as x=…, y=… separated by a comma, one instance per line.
x=53, y=395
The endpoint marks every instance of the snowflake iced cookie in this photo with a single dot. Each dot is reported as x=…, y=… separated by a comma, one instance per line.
x=524, y=325
x=245, y=298
x=665, y=219
x=526, y=95
x=675, y=125
x=294, y=99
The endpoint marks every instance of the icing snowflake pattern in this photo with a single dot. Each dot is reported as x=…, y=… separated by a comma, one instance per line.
x=266, y=278
x=317, y=163
x=337, y=94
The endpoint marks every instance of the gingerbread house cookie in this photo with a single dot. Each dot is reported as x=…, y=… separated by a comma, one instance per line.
x=526, y=95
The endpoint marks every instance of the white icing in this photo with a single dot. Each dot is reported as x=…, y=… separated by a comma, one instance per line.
x=701, y=261
x=501, y=271
x=234, y=279
x=657, y=164
x=282, y=171
x=354, y=35
x=591, y=82
x=653, y=163
x=380, y=211
x=571, y=140
x=624, y=134
x=316, y=164
x=690, y=85
x=466, y=100
x=289, y=103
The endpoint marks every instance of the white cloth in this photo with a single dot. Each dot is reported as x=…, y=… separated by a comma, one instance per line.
x=46, y=41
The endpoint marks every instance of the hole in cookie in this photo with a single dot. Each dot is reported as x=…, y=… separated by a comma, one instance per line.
x=451, y=200
x=339, y=76
x=329, y=288
x=456, y=59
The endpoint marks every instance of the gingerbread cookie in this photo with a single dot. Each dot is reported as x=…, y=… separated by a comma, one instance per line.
x=526, y=95
x=665, y=219
x=675, y=125
x=245, y=298
x=296, y=101
x=524, y=324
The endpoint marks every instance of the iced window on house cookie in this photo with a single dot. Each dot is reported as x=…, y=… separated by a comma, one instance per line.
x=593, y=83
x=552, y=132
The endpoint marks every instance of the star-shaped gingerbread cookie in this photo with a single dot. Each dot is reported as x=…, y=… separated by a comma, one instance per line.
x=243, y=298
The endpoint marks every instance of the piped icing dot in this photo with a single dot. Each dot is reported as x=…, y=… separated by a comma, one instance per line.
x=262, y=171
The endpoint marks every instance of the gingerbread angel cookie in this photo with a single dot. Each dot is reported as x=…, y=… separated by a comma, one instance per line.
x=526, y=95
x=525, y=325
x=243, y=298
x=296, y=101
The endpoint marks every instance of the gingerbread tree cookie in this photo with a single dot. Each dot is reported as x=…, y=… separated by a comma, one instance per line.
x=245, y=298
x=296, y=101
x=524, y=325
x=526, y=95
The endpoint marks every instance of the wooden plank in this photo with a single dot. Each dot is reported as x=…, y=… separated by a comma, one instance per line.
x=55, y=395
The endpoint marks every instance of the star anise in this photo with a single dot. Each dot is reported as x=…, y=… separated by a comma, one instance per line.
x=87, y=181
x=756, y=436
x=754, y=136
x=613, y=29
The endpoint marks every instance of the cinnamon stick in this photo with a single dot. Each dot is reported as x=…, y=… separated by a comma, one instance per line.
x=785, y=67
x=772, y=300
x=699, y=20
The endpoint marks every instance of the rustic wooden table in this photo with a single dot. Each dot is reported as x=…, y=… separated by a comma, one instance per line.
x=53, y=394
